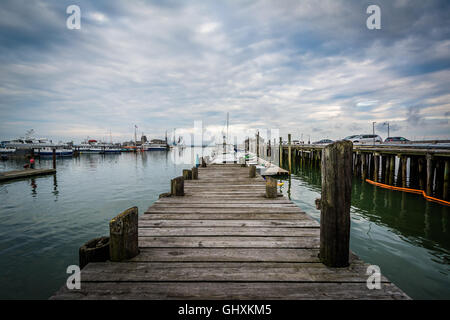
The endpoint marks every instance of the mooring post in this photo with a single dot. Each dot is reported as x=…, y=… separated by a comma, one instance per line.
x=123, y=235
x=54, y=158
x=252, y=171
x=430, y=173
x=203, y=163
x=271, y=187
x=95, y=250
x=177, y=186
x=335, y=204
x=289, y=153
x=194, y=171
x=187, y=174
x=446, y=178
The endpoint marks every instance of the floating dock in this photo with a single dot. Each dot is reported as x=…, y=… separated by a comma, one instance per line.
x=225, y=240
x=27, y=173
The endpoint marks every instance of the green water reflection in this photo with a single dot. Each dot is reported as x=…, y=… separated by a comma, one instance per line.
x=407, y=236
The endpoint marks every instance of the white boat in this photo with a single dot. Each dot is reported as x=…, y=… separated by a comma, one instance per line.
x=93, y=146
x=7, y=150
x=59, y=151
x=155, y=145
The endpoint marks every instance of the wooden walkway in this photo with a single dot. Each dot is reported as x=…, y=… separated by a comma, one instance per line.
x=22, y=174
x=225, y=240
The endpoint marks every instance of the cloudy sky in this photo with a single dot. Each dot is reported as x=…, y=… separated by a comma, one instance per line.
x=306, y=67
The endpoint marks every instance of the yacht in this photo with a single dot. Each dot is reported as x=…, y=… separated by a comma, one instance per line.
x=154, y=145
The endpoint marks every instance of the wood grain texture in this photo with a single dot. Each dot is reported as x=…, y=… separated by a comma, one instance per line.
x=223, y=239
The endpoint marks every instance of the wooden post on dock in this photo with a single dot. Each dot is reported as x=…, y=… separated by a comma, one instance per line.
x=123, y=235
x=177, y=186
x=289, y=153
x=54, y=158
x=430, y=173
x=194, y=173
x=187, y=174
x=281, y=152
x=335, y=204
x=203, y=163
x=252, y=171
x=271, y=187
x=446, y=178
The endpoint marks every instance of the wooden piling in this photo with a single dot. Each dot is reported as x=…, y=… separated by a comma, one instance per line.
x=123, y=235
x=257, y=144
x=422, y=173
x=446, y=180
x=376, y=163
x=289, y=153
x=281, y=153
x=271, y=187
x=187, y=174
x=194, y=171
x=403, y=168
x=95, y=250
x=177, y=186
x=363, y=166
x=335, y=204
x=391, y=169
x=252, y=171
x=430, y=174
x=54, y=158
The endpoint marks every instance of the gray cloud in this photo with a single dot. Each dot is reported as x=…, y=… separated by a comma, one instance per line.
x=302, y=66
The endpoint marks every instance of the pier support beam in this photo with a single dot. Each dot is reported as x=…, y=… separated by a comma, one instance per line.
x=376, y=164
x=446, y=179
x=335, y=204
x=281, y=153
x=123, y=235
x=271, y=187
x=177, y=186
x=430, y=174
x=403, y=165
x=289, y=154
x=391, y=169
x=422, y=173
x=363, y=166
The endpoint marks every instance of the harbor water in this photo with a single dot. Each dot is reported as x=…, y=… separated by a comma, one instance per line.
x=45, y=220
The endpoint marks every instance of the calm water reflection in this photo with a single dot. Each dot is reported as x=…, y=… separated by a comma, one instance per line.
x=407, y=236
x=45, y=220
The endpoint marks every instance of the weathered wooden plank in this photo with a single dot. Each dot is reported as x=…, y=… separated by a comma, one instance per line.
x=226, y=255
x=229, y=242
x=248, y=206
x=227, y=231
x=228, y=223
x=230, y=291
x=215, y=210
x=223, y=271
x=176, y=215
x=200, y=200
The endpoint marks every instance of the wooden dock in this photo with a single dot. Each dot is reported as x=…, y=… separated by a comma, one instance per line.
x=225, y=240
x=27, y=173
